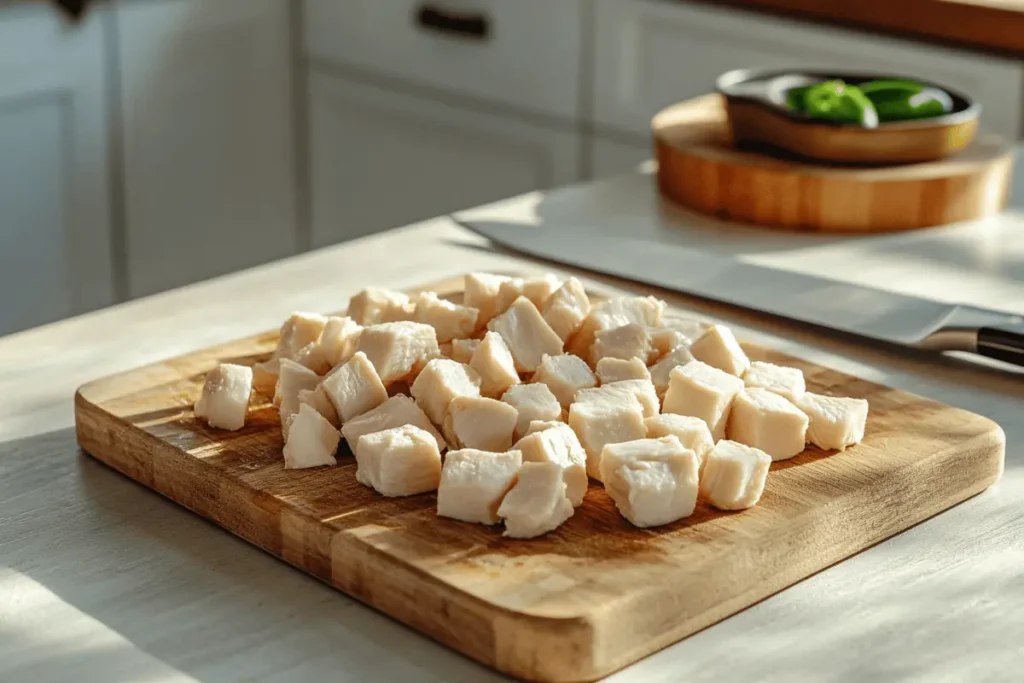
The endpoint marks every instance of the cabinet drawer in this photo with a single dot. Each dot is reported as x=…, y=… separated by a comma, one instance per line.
x=525, y=53
x=651, y=54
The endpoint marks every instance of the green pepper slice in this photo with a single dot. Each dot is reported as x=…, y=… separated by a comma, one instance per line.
x=795, y=98
x=901, y=100
x=839, y=101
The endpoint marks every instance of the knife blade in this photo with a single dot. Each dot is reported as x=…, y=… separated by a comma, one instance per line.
x=855, y=309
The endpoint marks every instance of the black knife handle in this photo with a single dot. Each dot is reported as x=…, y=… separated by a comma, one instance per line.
x=1003, y=342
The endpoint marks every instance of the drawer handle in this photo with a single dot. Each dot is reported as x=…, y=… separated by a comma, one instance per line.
x=472, y=26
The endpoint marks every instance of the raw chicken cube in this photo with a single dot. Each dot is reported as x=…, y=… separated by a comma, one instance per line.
x=645, y=311
x=625, y=342
x=481, y=423
x=652, y=481
x=559, y=445
x=509, y=290
x=608, y=395
x=537, y=502
x=394, y=412
x=765, y=420
x=643, y=390
x=441, y=381
x=401, y=461
x=318, y=400
x=481, y=293
x=340, y=339
x=533, y=402
x=312, y=440
x=473, y=484
x=300, y=329
x=719, y=349
x=599, y=424
x=616, y=392
x=493, y=362
x=662, y=370
x=835, y=423
x=374, y=305
x=642, y=310
x=734, y=475
x=786, y=382
x=688, y=327
x=565, y=374
x=264, y=376
x=291, y=379
x=225, y=398
x=665, y=339
x=567, y=308
x=702, y=391
x=528, y=337
x=539, y=289
x=450, y=321
x=462, y=350
x=399, y=350
x=312, y=357
x=692, y=432
x=355, y=387
x=611, y=370
x=541, y=425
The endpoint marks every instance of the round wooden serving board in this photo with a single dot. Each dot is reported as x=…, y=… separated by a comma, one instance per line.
x=699, y=167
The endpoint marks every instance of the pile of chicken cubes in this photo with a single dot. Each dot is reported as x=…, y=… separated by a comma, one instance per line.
x=533, y=390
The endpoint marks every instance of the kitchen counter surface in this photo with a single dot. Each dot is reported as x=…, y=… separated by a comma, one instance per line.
x=102, y=580
x=993, y=25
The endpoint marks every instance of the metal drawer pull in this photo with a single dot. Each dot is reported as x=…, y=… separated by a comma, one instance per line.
x=471, y=26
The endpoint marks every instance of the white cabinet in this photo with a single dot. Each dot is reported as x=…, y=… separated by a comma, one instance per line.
x=55, y=235
x=380, y=159
x=524, y=54
x=650, y=54
x=208, y=150
x=609, y=156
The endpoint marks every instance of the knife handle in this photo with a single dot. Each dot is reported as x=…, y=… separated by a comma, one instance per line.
x=1002, y=342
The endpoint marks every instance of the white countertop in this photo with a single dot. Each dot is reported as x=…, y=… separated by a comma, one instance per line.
x=103, y=580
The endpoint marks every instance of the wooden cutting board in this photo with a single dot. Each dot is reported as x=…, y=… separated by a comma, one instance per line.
x=700, y=167
x=593, y=596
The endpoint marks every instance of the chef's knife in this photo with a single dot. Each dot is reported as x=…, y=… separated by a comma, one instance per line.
x=865, y=311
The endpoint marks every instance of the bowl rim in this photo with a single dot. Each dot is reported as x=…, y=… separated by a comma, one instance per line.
x=726, y=82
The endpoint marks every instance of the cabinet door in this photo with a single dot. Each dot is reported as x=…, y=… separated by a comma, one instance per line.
x=209, y=177
x=55, y=244
x=381, y=160
x=651, y=54
x=611, y=157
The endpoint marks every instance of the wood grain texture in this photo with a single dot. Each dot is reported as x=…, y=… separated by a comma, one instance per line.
x=699, y=167
x=992, y=25
x=590, y=598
